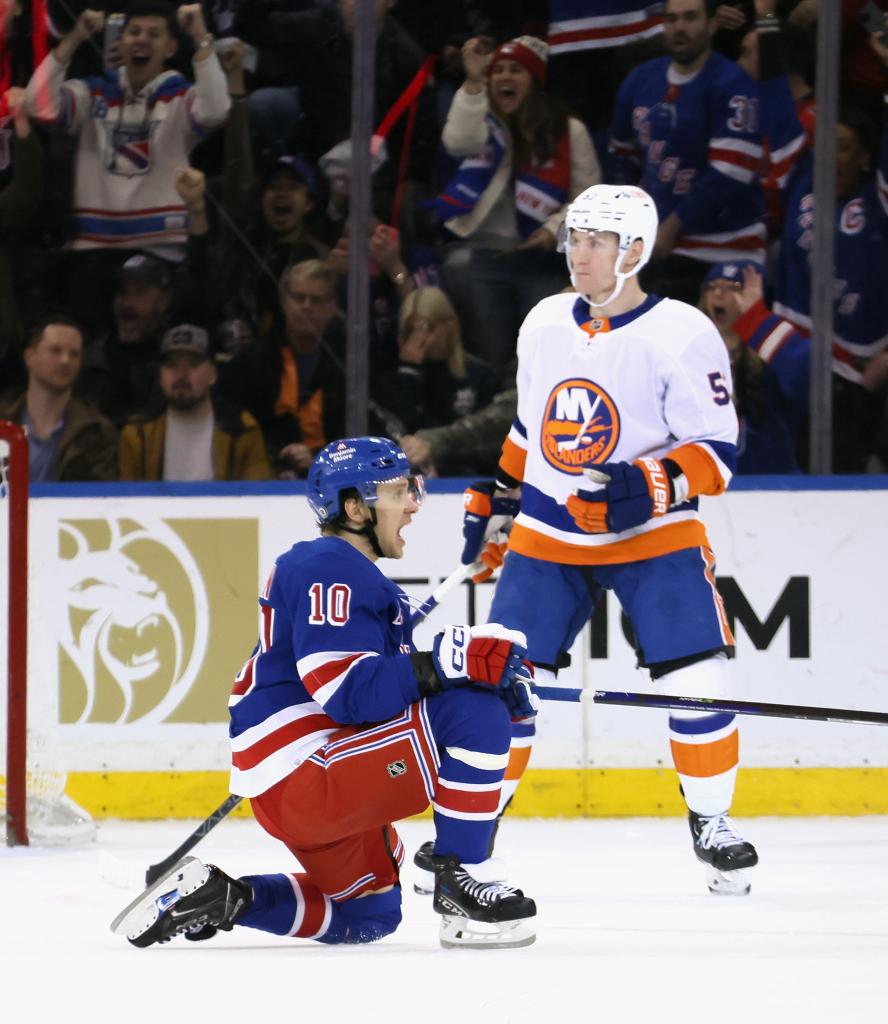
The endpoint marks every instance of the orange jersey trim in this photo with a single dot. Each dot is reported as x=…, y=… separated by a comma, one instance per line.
x=671, y=537
x=513, y=459
x=705, y=760
x=700, y=470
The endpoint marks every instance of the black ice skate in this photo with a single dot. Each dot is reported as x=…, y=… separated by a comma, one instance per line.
x=192, y=897
x=480, y=915
x=424, y=858
x=726, y=854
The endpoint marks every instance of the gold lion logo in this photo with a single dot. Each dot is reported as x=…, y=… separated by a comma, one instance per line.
x=137, y=621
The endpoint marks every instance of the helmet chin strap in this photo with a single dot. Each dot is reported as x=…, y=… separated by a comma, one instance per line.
x=621, y=280
x=368, y=530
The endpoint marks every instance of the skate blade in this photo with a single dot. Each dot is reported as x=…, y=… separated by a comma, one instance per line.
x=728, y=883
x=463, y=933
x=424, y=883
x=136, y=918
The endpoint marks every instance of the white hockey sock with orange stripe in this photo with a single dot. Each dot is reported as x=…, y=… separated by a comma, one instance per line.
x=705, y=745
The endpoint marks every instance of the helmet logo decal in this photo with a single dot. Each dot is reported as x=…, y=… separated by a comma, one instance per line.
x=581, y=426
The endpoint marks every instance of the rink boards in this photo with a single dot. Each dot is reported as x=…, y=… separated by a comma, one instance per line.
x=143, y=606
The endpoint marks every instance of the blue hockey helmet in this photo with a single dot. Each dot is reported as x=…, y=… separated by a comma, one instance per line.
x=359, y=463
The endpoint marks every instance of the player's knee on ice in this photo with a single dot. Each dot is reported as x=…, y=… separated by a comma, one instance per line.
x=365, y=919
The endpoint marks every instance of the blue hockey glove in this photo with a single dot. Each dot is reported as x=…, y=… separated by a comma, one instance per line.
x=633, y=492
x=485, y=513
x=488, y=656
x=520, y=699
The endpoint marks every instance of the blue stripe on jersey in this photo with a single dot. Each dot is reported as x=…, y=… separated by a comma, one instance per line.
x=113, y=226
x=520, y=428
x=547, y=510
x=725, y=451
x=698, y=726
x=582, y=314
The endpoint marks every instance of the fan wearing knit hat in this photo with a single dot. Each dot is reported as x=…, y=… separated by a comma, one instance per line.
x=523, y=159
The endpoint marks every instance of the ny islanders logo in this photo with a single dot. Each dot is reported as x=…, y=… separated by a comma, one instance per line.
x=581, y=426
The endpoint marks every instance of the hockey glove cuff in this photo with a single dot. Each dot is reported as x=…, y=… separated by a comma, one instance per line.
x=487, y=510
x=488, y=656
x=519, y=697
x=633, y=493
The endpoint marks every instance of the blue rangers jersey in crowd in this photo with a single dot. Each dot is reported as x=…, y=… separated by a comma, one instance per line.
x=598, y=24
x=860, y=319
x=698, y=143
x=333, y=644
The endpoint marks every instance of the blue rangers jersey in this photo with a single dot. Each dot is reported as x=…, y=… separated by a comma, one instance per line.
x=333, y=650
x=697, y=141
x=599, y=24
x=860, y=317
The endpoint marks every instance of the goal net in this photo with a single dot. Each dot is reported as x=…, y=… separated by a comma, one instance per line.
x=34, y=808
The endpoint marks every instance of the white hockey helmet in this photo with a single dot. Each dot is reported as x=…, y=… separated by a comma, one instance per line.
x=626, y=210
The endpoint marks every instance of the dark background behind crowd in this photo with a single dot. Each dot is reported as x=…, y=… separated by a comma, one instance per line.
x=174, y=218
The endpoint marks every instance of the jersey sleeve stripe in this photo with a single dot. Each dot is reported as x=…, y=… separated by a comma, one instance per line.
x=772, y=344
x=704, y=470
x=513, y=458
x=323, y=673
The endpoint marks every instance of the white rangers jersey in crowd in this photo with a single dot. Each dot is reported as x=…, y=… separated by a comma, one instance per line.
x=130, y=146
x=655, y=381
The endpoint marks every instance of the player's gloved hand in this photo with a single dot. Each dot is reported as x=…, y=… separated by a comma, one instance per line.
x=487, y=656
x=519, y=697
x=492, y=556
x=487, y=510
x=633, y=492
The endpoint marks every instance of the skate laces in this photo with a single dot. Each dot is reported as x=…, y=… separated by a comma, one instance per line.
x=484, y=892
x=719, y=831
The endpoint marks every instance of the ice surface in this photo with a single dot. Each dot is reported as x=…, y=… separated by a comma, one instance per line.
x=626, y=932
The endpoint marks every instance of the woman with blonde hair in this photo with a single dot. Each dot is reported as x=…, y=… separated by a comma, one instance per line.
x=523, y=160
x=436, y=380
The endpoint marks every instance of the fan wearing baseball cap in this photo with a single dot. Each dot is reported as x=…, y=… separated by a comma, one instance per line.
x=523, y=159
x=189, y=434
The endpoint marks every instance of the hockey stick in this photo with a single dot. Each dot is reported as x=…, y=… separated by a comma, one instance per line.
x=733, y=707
x=459, y=575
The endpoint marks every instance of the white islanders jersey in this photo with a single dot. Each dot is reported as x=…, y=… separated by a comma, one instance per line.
x=652, y=382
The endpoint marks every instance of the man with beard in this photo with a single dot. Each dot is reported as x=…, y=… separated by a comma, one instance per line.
x=67, y=439
x=120, y=368
x=688, y=122
x=190, y=436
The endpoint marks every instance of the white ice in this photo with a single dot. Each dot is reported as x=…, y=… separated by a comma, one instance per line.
x=626, y=932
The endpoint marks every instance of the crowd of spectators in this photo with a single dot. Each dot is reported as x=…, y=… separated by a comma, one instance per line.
x=174, y=218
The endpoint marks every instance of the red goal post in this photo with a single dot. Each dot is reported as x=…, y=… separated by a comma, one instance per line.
x=14, y=494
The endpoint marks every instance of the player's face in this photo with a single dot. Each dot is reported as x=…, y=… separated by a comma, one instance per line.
x=508, y=86
x=397, y=501
x=720, y=302
x=593, y=255
x=686, y=30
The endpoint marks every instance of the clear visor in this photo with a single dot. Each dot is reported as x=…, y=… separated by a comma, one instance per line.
x=570, y=238
x=416, y=489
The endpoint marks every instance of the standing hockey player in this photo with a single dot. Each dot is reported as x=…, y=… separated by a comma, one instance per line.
x=339, y=727
x=634, y=392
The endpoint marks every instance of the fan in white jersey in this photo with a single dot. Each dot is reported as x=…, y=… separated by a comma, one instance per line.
x=624, y=418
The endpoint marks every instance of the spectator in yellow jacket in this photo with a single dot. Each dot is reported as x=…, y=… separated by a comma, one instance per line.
x=191, y=435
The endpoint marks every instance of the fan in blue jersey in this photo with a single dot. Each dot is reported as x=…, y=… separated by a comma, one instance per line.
x=339, y=727
x=685, y=128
